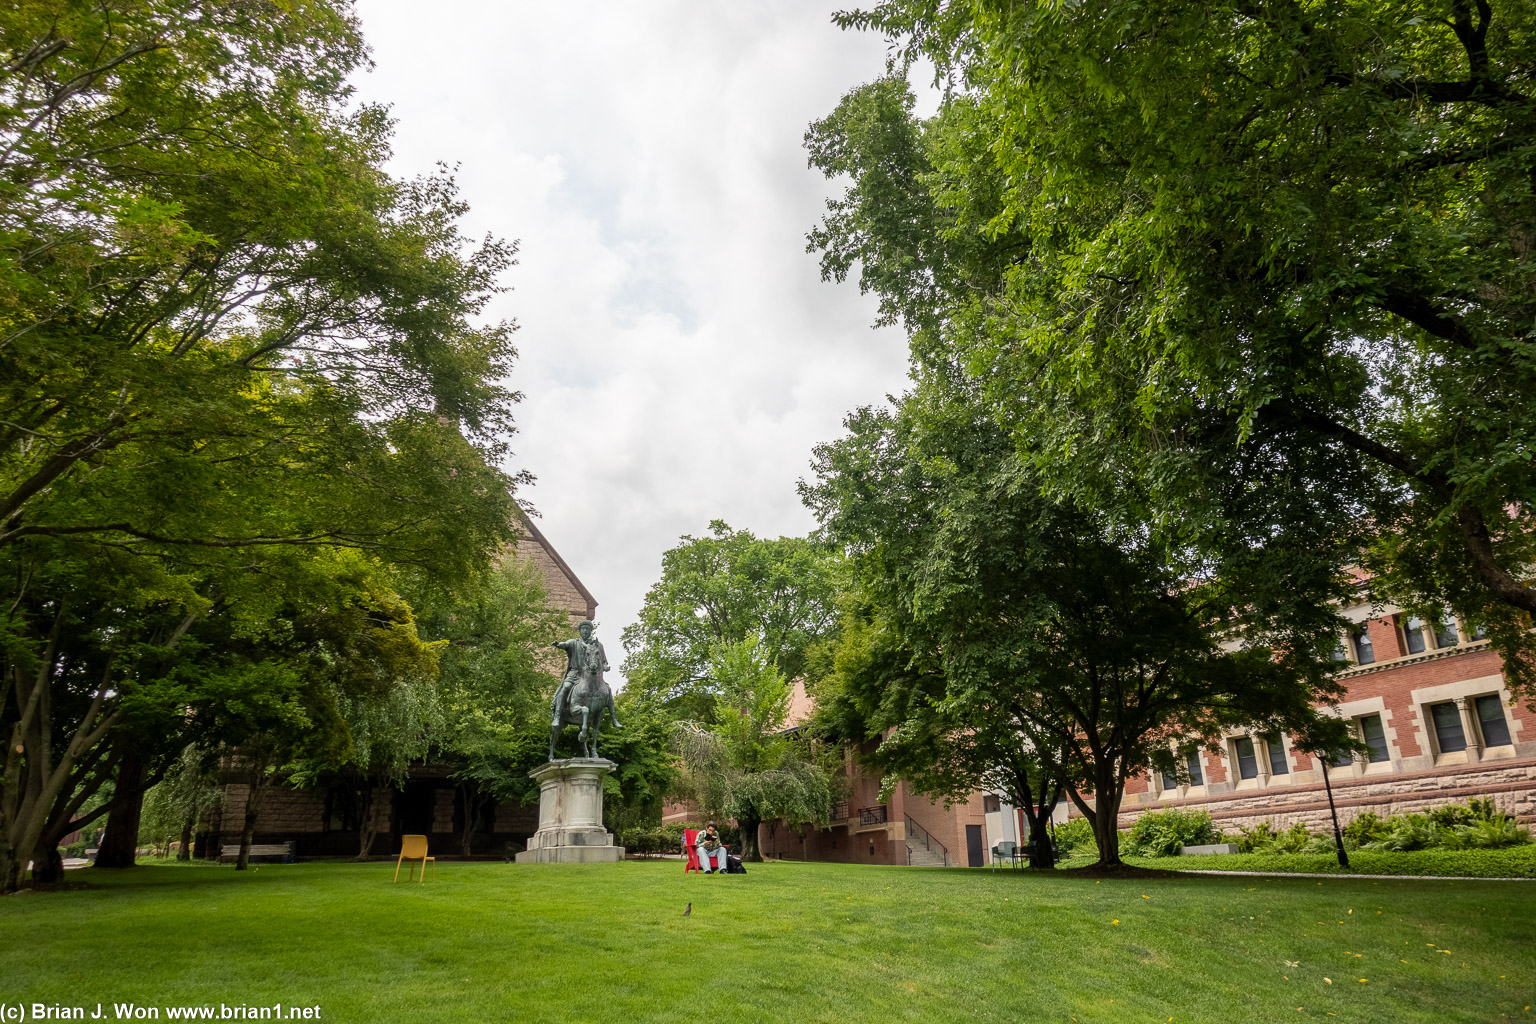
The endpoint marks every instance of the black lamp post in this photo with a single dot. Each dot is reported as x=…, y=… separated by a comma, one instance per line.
x=1338, y=836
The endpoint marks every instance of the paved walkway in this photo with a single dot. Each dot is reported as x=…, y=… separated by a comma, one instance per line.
x=1347, y=874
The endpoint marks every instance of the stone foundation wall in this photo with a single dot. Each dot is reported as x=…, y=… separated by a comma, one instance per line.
x=279, y=810
x=1510, y=784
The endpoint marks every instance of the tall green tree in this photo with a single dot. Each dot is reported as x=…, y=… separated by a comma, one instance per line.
x=231, y=347
x=723, y=588
x=748, y=765
x=1002, y=637
x=494, y=688
x=1266, y=266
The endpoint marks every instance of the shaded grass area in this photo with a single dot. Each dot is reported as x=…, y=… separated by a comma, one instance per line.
x=1510, y=862
x=802, y=942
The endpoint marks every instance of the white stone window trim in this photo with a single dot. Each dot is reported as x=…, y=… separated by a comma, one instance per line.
x=1182, y=790
x=1234, y=769
x=1463, y=693
x=1266, y=770
x=1354, y=710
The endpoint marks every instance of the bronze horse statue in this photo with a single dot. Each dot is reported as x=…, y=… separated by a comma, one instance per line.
x=583, y=694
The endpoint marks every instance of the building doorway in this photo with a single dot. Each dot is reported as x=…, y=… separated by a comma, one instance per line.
x=415, y=805
x=973, y=851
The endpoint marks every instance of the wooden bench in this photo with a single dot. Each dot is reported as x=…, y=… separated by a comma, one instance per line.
x=286, y=852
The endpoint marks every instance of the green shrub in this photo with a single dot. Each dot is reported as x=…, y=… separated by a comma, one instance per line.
x=1293, y=839
x=1483, y=808
x=1254, y=838
x=1489, y=834
x=1322, y=844
x=1161, y=833
x=1408, y=832
x=1452, y=816
x=1367, y=827
x=1076, y=835
x=74, y=849
x=1263, y=838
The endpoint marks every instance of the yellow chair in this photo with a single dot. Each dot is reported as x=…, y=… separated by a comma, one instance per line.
x=414, y=848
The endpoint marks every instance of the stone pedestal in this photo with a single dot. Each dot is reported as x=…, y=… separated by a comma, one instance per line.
x=571, y=814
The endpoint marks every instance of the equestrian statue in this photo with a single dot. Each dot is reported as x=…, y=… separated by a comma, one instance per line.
x=583, y=694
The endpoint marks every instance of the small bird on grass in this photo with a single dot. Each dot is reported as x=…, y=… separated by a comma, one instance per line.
x=688, y=910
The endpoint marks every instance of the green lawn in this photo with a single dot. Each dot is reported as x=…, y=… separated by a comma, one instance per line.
x=786, y=942
x=1510, y=862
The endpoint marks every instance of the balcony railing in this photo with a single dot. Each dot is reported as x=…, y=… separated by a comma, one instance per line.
x=840, y=811
x=872, y=816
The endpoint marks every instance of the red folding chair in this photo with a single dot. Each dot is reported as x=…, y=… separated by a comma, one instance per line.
x=690, y=839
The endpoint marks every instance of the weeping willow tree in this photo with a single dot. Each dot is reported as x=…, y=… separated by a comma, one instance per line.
x=749, y=765
x=191, y=788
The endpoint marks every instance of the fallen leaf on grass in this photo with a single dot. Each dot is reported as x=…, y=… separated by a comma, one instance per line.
x=1328, y=980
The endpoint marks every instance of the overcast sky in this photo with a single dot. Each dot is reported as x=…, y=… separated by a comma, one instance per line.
x=680, y=354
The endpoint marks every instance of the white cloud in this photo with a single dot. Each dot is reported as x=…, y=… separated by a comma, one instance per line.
x=680, y=354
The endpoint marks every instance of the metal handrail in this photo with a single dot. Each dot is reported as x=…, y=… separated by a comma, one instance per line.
x=840, y=811
x=929, y=842
x=877, y=815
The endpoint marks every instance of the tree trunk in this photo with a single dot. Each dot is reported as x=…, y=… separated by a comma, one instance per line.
x=1106, y=824
x=749, y=848
x=1041, y=856
x=467, y=797
x=120, y=843
x=247, y=833
x=258, y=777
x=184, y=852
x=47, y=863
x=366, y=831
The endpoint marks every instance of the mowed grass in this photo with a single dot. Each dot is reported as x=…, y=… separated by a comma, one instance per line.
x=1510, y=862
x=786, y=942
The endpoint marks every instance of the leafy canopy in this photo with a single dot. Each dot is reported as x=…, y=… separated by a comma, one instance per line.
x=721, y=589
x=1000, y=637
x=1258, y=275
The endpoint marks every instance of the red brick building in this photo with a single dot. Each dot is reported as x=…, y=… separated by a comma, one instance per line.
x=320, y=822
x=906, y=828
x=1427, y=698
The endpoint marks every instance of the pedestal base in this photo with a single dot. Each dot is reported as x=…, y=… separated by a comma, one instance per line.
x=571, y=814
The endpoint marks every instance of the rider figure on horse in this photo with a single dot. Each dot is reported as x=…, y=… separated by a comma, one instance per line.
x=584, y=656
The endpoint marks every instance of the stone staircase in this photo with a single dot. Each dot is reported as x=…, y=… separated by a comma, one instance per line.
x=919, y=855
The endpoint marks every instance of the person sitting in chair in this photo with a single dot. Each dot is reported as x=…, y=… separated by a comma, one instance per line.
x=711, y=851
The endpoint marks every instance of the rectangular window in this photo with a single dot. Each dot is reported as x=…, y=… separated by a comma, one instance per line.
x=1365, y=654
x=1247, y=762
x=1277, y=765
x=1448, y=732
x=1445, y=632
x=1490, y=719
x=990, y=804
x=1479, y=632
x=1196, y=777
x=1413, y=632
x=1169, y=782
x=1375, y=737
x=1343, y=759
x=1339, y=652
